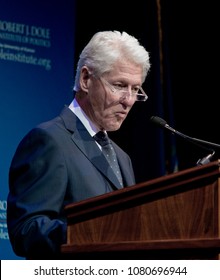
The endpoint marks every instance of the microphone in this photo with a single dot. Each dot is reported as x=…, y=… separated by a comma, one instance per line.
x=201, y=143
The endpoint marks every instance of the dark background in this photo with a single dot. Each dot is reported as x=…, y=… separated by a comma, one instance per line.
x=185, y=94
x=183, y=84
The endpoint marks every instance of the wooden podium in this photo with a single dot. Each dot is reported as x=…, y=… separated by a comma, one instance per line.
x=175, y=216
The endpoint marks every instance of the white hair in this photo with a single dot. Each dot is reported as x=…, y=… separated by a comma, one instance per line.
x=105, y=48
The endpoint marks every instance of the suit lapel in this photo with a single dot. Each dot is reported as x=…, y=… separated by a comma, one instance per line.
x=87, y=145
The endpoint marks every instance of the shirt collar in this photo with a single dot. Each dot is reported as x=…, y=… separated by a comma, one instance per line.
x=77, y=110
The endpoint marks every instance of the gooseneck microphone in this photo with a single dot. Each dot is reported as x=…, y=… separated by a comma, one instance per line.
x=201, y=143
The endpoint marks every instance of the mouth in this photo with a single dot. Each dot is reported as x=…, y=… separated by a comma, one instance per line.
x=121, y=114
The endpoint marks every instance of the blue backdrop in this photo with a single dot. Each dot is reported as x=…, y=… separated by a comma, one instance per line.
x=36, y=77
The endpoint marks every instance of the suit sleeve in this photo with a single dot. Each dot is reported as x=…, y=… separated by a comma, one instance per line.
x=37, y=186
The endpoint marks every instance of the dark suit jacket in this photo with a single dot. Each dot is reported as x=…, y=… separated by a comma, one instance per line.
x=56, y=163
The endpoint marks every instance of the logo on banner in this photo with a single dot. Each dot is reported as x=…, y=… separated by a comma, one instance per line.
x=21, y=43
x=3, y=223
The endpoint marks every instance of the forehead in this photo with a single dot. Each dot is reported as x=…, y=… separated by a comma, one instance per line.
x=127, y=70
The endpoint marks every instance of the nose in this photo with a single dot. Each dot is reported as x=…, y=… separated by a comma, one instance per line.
x=128, y=98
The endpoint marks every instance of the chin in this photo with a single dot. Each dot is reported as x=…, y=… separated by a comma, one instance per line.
x=113, y=127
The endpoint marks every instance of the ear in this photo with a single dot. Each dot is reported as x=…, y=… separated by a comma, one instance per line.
x=84, y=78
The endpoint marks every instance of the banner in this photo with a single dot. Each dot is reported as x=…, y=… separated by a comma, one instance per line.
x=36, y=78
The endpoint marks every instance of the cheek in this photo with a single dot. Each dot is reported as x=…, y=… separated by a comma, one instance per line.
x=98, y=101
x=103, y=101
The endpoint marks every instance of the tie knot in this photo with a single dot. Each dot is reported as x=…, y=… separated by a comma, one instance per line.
x=102, y=138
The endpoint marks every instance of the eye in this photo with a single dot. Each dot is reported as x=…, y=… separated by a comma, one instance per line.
x=119, y=86
x=135, y=89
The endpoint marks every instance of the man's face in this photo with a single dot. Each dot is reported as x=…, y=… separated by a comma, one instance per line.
x=108, y=109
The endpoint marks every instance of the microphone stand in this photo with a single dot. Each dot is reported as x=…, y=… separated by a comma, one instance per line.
x=198, y=142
